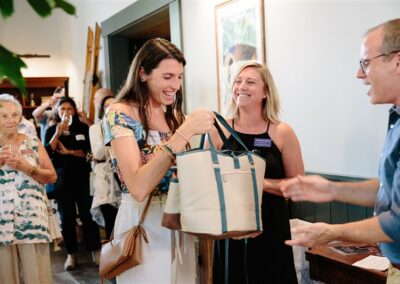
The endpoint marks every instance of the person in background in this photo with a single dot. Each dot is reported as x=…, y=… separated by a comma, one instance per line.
x=27, y=127
x=46, y=112
x=145, y=128
x=106, y=195
x=98, y=97
x=68, y=145
x=24, y=223
x=379, y=69
x=84, y=118
x=264, y=258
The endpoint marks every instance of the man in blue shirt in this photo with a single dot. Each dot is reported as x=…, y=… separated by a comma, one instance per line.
x=379, y=69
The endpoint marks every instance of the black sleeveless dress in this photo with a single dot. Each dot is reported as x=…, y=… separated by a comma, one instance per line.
x=264, y=259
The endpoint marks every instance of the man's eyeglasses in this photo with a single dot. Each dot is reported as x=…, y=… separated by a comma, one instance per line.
x=364, y=63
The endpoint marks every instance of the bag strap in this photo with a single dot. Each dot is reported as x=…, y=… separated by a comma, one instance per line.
x=222, y=135
x=230, y=130
x=146, y=208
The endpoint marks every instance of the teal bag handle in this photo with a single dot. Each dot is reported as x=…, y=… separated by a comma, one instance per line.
x=230, y=130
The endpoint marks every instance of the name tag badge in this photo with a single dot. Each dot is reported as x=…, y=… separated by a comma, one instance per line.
x=80, y=137
x=262, y=142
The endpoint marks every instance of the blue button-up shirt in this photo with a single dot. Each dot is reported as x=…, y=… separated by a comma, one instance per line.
x=387, y=206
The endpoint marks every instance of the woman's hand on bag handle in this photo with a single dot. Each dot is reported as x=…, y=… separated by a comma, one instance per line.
x=142, y=179
x=198, y=122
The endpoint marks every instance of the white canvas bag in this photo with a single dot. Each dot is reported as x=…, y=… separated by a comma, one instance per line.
x=220, y=192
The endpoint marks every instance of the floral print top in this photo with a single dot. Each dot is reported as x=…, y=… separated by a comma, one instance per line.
x=118, y=124
x=23, y=205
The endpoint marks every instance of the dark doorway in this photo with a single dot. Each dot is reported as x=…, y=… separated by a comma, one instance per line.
x=151, y=19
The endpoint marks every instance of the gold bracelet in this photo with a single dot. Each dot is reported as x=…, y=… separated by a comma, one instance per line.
x=183, y=136
x=33, y=171
x=168, y=151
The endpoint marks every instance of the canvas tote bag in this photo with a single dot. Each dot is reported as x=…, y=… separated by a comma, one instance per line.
x=220, y=192
x=171, y=218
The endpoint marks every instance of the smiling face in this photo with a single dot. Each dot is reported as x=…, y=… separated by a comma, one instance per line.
x=10, y=118
x=164, y=81
x=380, y=71
x=249, y=88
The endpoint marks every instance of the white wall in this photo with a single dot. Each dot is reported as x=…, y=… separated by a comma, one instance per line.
x=26, y=33
x=313, y=51
x=60, y=35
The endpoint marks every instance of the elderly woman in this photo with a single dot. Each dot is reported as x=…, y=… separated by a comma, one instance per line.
x=24, y=226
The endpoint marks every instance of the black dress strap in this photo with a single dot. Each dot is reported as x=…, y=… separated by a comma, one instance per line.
x=268, y=127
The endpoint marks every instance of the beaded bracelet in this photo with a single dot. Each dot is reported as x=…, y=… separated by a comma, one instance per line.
x=33, y=171
x=181, y=135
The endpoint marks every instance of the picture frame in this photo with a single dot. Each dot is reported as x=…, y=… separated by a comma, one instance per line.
x=240, y=37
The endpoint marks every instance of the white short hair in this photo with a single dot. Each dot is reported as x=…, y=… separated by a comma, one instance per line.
x=11, y=99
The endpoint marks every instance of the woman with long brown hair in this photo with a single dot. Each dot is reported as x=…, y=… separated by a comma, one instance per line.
x=145, y=128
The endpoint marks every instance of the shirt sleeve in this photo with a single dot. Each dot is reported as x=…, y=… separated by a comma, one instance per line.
x=118, y=124
x=390, y=219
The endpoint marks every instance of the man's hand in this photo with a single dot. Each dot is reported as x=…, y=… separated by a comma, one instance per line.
x=312, y=235
x=307, y=188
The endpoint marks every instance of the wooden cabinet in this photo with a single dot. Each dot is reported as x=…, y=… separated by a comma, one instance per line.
x=38, y=88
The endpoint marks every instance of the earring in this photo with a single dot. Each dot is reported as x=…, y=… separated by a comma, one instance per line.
x=141, y=79
x=264, y=97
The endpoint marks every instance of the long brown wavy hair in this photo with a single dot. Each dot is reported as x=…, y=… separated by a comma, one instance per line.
x=149, y=57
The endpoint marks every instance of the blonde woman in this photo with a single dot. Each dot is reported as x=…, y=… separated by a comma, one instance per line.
x=256, y=120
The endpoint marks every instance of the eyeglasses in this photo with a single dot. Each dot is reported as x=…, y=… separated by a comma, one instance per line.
x=364, y=63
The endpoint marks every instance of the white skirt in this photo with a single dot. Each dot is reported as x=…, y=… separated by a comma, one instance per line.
x=169, y=257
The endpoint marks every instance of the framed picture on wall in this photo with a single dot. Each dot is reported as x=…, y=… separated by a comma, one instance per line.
x=240, y=37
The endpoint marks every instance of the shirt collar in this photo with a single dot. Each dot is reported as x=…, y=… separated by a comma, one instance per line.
x=396, y=109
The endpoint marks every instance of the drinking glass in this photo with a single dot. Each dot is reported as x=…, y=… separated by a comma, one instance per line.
x=68, y=119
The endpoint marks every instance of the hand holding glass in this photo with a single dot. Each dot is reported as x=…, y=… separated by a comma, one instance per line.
x=66, y=118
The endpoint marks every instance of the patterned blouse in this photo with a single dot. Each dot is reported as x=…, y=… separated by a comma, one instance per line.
x=118, y=124
x=23, y=208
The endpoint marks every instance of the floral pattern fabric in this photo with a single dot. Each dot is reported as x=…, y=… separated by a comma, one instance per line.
x=23, y=207
x=118, y=124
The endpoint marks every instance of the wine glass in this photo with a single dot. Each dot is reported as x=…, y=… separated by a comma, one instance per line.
x=66, y=118
x=12, y=149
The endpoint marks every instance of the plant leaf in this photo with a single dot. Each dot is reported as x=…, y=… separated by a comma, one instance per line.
x=67, y=7
x=42, y=7
x=6, y=8
x=10, y=68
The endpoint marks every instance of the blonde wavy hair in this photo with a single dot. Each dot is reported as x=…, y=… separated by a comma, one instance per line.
x=271, y=105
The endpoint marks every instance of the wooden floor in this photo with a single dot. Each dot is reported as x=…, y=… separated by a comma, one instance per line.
x=87, y=272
